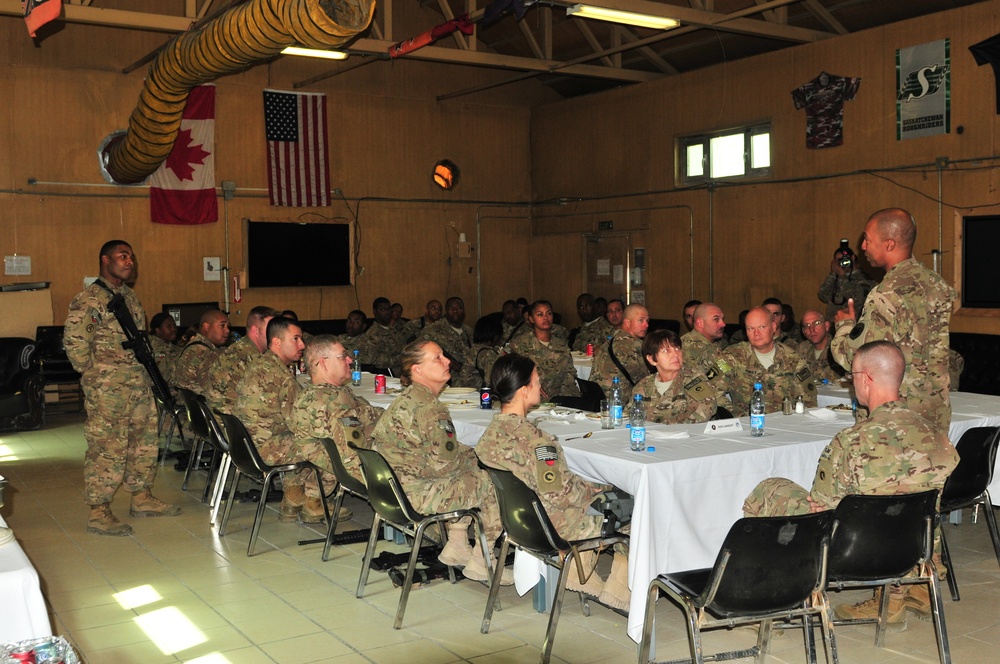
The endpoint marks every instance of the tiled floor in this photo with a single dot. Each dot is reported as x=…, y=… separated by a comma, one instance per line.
x=206, y=602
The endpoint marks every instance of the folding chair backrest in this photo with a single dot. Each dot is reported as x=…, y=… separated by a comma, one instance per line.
x=591, y=390
x=769, y=564
x=350, y=482
x=977, y=451
x=217, y=435
x=385, y=492
x=196, y=421
x=242, y=451
x=523, y=516
x=880, y=537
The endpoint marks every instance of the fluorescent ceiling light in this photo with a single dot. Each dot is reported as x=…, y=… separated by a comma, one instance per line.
x=315, y=53
x=618, y=16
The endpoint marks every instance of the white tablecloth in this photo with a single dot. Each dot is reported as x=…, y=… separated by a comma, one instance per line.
x=22, y=608
x=689, y=491
x=583, y=365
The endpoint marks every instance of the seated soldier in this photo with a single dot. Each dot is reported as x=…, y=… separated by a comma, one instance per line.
x=220, y=379
x=353, y=338
x=894, y=451
x=432, y=314
x=594, y=330
x=438, y=473
x=549, y=353
x=513, y=443
x=675, y=393
x=622, y=356
x=163, y=335
x=455, y=339
x=706, y=338
x=327, y=408
x=382, y=343
x=264, y=399
x=486, y=349
x=815, y=348
x=781, y=370
x=203, y=349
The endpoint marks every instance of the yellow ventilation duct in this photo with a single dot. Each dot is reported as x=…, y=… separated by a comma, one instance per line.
x=251, y=32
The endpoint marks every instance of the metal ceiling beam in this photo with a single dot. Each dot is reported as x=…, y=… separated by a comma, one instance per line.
x=116, y=18
x=824, y=16
x=646, y=51
x=476, y=58
x=592, y=40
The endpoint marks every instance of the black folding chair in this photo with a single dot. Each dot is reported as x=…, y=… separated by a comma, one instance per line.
x=197, y=425
x=248, y=462
x=346, y=483
x=968, y=486
x=769, y=568
x=387, y=498
x=527, y=526
x=879, y=541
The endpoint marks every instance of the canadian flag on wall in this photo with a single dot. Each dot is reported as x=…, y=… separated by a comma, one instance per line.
x=182, y=190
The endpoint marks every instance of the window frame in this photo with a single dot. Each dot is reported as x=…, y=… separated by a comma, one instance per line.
x=684, y=143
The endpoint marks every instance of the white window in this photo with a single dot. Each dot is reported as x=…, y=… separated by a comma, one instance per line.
x=735, y=153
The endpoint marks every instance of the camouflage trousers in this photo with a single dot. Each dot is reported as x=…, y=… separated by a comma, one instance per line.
x=285, y=448
x=454, y=492
x=121, y=440
x=777, y=496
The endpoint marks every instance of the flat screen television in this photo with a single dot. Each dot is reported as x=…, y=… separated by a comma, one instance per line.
x=293, y=254
x=980, y=268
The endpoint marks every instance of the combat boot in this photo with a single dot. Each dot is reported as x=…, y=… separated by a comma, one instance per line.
x=104, y=522
x=616, y=593
x=145, y=504
x=312, y=512
x=292, y=501
x=588, y=563
x=918, y=601
x=456, y=550
x=869, y=610
x=475, y=568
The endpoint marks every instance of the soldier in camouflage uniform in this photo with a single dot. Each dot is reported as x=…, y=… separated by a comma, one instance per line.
x=843, y=284
x=549, y=353
x=626, y=347
x=121, y=415
x=706, y=338
x=911, y=308
x=894, y=451
x=264, y=401
x=455, y=338
x=815, y=348
x=675, y=393
x=354, y=337
x=220, y=379
x=594, y=329
x=413, y=329
x=513, y=443
x=163, y=334
x=382, y=344
x=327, y=408
x=201, y=351
x=438, y=473
x=785, y=375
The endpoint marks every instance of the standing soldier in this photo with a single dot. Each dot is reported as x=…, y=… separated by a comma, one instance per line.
x=121, y=415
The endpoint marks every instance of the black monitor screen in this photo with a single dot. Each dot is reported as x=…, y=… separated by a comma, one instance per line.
x=281, y=254
x=980, y=267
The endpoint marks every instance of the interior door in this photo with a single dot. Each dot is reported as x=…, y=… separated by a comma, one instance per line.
x=606, y=258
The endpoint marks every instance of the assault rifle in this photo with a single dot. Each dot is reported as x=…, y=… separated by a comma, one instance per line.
x=138, y=343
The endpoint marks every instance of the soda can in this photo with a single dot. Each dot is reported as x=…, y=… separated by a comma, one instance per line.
x=25, y=654
x=590, y=350
x=380, y=384
x=485, y=398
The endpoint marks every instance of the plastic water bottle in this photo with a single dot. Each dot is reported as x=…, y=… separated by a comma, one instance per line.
x=356, y=369
x=637, y=420
x=615, y=398
x=757, y=410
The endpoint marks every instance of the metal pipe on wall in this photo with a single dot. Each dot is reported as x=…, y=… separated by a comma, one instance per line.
x=246, y=34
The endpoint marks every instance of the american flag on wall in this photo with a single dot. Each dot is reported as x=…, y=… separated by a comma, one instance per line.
x=298, y=170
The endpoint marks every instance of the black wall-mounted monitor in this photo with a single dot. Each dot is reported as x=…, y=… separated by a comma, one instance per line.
x=290, y=254
x=980, y=267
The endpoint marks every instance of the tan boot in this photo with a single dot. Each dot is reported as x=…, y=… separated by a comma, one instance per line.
x=475, y=568
x=869, y=610
x=616, y=593
x=145, y=504
x=312, y=512
x=292, y=500
x=104, y=522
x=588, y=563
x=918, y=601
x=457, y=550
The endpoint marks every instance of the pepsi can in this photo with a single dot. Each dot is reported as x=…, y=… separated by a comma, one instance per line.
x=485, y=398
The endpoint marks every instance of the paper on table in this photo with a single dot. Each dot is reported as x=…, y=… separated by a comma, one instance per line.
x=823, y=414
x=663, y=435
